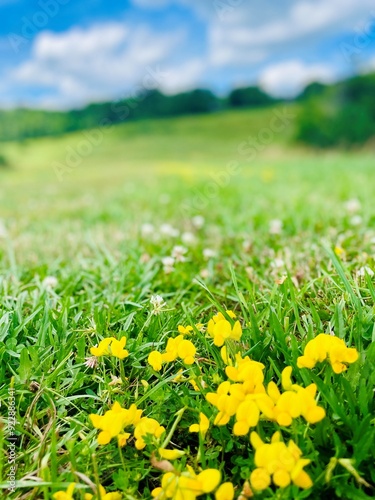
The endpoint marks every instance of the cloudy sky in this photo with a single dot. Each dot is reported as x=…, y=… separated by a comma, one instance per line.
x=65, y=53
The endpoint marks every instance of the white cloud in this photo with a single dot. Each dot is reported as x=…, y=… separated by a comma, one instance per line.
x=184, y=77
x=107, y=60
x=253, y=31
x=101, y=62
x=287, y=79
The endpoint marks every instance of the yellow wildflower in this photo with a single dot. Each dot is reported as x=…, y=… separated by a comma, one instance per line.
x=226, y=403
x=178, y=347
x=339, y=251
x=202, y=427
x=247, y=415
x=220, y=316
x=185, y=330
x=295, y=402
x=147, y=426
x=278, y=462
x=327, y=347
x=113, y=422
x=103, y=495
x=248, y=371
x=220, y=329
x=155, y=360
x=186, y=351
x=65, y=495
x=187, y=485
x=111, y=347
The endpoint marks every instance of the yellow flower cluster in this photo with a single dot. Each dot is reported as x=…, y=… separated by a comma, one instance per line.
x=147, y=427
x=247, y=399
x=103, y=495
x=278, y=462
x=243, y=398
x=187, y=485
x=294, y=402
x=111, y=347
x=327, y=347
x=114, y=421
x=220, y=329
x=177, y=347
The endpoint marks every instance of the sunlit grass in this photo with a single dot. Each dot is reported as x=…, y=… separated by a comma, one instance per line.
x=77, y=265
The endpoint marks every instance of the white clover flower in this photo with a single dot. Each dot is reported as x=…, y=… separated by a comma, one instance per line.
x=147, y=229
x=205, y=273
x=208, y=253
x=178, y=253
x=168, y=263
x=276, y=226
x=91, y=362
x=168, y=230
x=198, y=221
x=277, y=263
x=50, y=282
x=352, y=206
x=188, y=238
x=356, y=220
x=365, y=270
x=158, y=303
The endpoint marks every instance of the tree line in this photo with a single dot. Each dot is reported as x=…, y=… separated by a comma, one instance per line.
x=342, y=114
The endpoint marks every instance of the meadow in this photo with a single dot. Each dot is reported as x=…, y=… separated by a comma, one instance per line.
x=161, y=305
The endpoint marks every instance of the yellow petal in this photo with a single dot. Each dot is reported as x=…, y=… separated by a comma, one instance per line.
x=305, y=362
x=303, y=480
x=260, y=479
x=281, y=478
x=194, y=428
x=209, y=479
x=170, y=454
x=237, y=331
x=240, y=428
x=156, y=492
x=104, y=437
x=273, y=391
x=255, y=440
x=225, y=492
x=286, y=380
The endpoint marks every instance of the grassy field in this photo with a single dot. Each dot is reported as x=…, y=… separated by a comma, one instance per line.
x=281, y=237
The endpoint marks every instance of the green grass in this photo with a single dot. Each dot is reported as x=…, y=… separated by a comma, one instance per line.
x=284, y=288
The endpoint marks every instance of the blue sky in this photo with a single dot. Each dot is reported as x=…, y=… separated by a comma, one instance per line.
x=59, y=54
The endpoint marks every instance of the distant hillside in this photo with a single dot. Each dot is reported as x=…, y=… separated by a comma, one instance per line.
x=342, y=114
x=26, y=123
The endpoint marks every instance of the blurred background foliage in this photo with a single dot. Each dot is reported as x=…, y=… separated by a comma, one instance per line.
x=326, y=113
